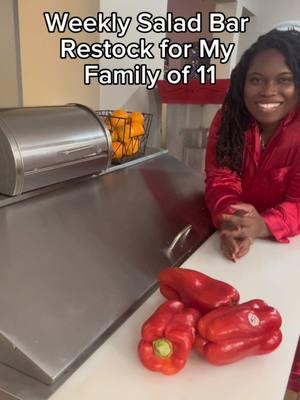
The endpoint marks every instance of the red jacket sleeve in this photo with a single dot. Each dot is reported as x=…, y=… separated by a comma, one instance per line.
x=284, y=219
x=223, y=186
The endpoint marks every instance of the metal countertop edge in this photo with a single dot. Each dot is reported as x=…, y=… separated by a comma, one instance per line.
x=6, y=201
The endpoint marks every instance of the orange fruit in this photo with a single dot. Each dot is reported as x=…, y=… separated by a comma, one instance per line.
x=132, y=146
x=123, y=133
x=136, y=129
x=137, y=117
x=118, y=150
x=119, y=118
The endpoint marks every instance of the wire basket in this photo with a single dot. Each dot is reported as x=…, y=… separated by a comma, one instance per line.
x=129, y=133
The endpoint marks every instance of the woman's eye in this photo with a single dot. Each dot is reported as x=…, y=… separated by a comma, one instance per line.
x=286, y=80
x=255, y=80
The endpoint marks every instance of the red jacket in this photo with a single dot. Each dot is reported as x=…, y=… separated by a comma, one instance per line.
x=270, y=179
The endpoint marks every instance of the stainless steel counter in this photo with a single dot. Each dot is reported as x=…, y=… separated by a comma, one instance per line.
x=77, y=261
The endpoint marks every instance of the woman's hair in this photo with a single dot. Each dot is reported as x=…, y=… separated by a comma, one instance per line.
x=235, y=117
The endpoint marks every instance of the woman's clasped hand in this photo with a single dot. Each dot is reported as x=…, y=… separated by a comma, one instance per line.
x=239, y=230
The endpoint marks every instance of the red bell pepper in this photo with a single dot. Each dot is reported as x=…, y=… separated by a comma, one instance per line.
x=196, y=289
x=168, y=337
x=231, y=333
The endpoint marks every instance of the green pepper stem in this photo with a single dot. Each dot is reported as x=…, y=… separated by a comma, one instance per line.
x=162, y=348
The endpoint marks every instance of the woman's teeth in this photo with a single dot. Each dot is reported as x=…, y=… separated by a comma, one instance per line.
x=268, y=106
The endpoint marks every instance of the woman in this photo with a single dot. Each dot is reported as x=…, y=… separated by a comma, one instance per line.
x=253, y=154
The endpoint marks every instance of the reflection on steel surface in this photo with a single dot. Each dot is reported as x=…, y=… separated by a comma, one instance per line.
x=179, y=237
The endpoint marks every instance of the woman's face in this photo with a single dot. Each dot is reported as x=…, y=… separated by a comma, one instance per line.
x=269, y=91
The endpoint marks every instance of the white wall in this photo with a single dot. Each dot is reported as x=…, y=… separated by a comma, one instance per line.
x=134, y=97
x=10, y=95
x=228, y=9
x=46, y=78
x=187, y=124
x=268, y=13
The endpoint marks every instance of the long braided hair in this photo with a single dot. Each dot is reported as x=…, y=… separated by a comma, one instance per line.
x=235, y=117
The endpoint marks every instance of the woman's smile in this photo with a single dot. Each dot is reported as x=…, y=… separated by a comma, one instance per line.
x=268, y=107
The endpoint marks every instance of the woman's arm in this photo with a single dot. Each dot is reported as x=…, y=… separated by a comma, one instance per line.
x=283, y=221
x=279, y=222
x=223, y=186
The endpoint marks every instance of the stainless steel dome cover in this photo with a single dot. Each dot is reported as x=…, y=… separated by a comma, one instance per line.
x=40, y=146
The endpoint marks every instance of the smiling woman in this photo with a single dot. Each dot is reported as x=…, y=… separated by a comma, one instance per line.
x=253, y=155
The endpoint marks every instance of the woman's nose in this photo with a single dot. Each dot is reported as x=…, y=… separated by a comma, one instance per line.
x=269, y=88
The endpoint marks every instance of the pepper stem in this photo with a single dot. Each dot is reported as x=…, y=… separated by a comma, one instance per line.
x=162, y=348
